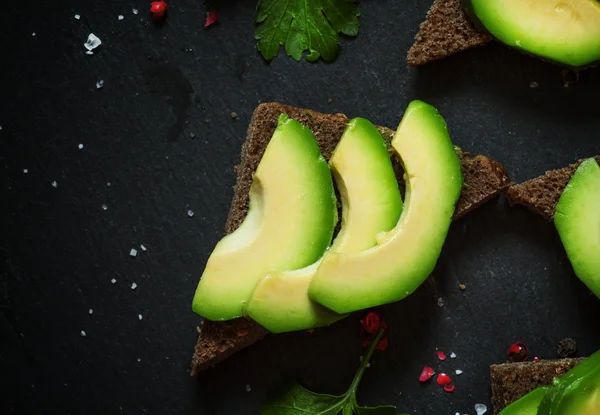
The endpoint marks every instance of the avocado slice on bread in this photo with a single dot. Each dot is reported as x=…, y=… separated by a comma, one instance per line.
x=484, y=179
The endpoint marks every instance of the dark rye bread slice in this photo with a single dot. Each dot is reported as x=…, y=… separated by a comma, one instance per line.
x=542, y=193
x=511, y=381
x=446, y=31
x=484, y=179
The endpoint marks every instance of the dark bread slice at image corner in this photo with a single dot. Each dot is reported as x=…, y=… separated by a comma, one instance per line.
x=511, y=381
x=542, y=193
x=445, y=31
x=484, y=179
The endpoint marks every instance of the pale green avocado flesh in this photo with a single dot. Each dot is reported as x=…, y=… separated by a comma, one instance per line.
x=577, y=220
x=371, y=203
x=405, y=255
x=564, y=31
x=290, y=222
x=528, y=404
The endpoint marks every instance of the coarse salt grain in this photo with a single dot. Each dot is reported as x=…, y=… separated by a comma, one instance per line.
x=133, y=286
x=80, y=146
x=100, y=84
x=133, y=252
x=121, y=17
x=452, y=355
x=33, y=34
x=190, y=213
x=139, y=316
x=459, y=372
x=143, y=248
x=441, y=302
x=248, y=388
x=54, y=184
x=77, y=17
x=89, y=52
x=104, y=207
x=92, y=42
x=480, y=408
x=113, y=280
x=91, y=312
x=82, y=333
x=139, y=360
x=135, y=11
x=25, y=171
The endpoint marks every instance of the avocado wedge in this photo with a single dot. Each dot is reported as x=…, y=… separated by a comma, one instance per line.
x=371, y=203
x=406, y=255
x=564, y=31
x=290, y=223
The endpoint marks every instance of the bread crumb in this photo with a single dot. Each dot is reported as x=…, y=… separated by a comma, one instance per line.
x=234, y=115
x=462, y=287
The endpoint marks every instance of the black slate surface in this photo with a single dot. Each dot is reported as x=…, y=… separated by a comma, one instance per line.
x=59, y=249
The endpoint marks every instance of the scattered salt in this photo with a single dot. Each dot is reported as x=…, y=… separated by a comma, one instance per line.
x=534, y=85
x=459, y=372
x=80, y=146
x=92, y=42
x=139, y=360
x=190, y=213
x=82, y=333
x=452, y=355
x=121, y=17
x=139, y=316
x=108, y=184
x=25, y=171
x=113, y=280
x=89, y=52
x=480, y=408
x=192, y=135
x=91, y=312
x=143, y=248
x=77, y=17
x=135, y=11
x=104, y=207
x=33, y=34
x=100, y=84
x=54, y=184
x=133, y=287
x=0, y=128
x=441, y=302
x=248, y=388
x=133, y=252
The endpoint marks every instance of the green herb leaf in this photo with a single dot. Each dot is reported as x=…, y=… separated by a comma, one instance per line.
x=300, y=401
x=304, y=25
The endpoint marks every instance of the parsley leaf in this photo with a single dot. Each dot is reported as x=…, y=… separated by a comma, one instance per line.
x=304, y=25
x=300, y=401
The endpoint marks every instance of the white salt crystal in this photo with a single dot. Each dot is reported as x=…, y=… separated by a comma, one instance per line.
x=480, y=408
x=0, y=128
x=104, y=207
x=139, y=360
x=133, y=286
x=100, y=84
x=91, y=311
x=139, y=316
x=143, y=248
x=133, y=252
x=54, y=184
x=33, y=34
x=80, y=146
x=77, y=17
x=459, y=372
x=82, y=333
x=452, y=355
x=25, y=171
x=190, y=213
x=89, y=52
x=92, y=42
x=135, y=11
x=121, y=17
x=248, y=388
x=113, y=280
x=441, y=302
x=108, y=184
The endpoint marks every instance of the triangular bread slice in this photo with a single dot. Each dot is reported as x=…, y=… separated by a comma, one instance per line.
x=445, y=31
x=484, y=179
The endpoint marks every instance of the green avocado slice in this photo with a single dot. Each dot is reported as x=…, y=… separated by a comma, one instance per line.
x=290, y=223
x=406, y=255
x=577, y=392
x=371, y=203
x=564, y=31
x=577, y=220
x=528, y=404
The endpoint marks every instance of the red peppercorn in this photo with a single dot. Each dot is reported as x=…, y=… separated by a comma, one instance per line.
x=441, y=355
x=382, y=345
x=372, y=323
x=449, y=388
x=536, y=359
x=443, y=379
x=518, y=352
x=426, y=374
x=158, y=8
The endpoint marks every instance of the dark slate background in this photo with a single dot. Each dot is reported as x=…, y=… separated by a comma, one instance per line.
x=59, y=249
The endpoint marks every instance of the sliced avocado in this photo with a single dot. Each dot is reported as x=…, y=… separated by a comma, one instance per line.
x=405, y=255
x=577, y=220
x=528, y=404
x=577, y=392
x=371, y=203
x=564, y=31
x=290, y=223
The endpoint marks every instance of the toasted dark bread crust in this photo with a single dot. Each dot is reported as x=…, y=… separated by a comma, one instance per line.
x=511, y=381
x=445, y=31
x=484, y=178
x=542, y=193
